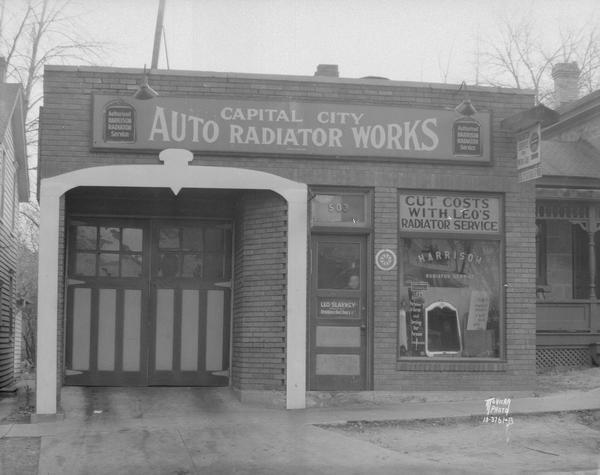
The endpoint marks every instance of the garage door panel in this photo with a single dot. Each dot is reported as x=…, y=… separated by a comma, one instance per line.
x=145, y=302
x=132, y=317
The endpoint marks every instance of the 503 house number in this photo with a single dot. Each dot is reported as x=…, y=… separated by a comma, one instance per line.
x=338, y=207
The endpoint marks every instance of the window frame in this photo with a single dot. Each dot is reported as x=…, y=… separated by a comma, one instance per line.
x=367, y=195
x=456, y=362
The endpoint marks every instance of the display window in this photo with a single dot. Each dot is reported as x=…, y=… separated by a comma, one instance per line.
x=451, y=289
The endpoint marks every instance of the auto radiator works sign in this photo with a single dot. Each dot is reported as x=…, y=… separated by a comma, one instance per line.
x=304, y=128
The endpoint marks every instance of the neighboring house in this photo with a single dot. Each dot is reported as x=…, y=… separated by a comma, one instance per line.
x=567, y=221
x=14, y=188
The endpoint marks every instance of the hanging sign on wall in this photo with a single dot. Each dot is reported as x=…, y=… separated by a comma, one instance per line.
x=529, y=154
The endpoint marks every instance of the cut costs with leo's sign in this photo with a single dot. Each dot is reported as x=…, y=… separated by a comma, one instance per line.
x=449, y=214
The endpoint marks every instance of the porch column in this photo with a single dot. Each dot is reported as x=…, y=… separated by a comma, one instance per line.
x=47, y=322
x=592, y=263
x=296, y=297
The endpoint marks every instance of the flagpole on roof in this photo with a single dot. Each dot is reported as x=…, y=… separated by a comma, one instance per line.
x=158, y=33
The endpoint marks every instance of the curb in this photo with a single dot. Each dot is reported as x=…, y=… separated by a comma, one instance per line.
x=443, y=420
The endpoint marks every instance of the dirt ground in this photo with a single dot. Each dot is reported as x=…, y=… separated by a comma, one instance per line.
x=564, y=380
x=547, y=443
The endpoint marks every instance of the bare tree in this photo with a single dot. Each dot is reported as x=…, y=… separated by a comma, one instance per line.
x=445, y=68
x=27, y=232
x=519, y=55
x=583, y=46
x=517, y=58
x=38, y=32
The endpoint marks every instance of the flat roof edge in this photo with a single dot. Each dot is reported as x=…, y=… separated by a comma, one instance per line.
x=291, y=78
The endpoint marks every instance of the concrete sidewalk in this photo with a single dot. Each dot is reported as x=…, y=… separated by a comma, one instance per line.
x=558, y=402
x=200, y=430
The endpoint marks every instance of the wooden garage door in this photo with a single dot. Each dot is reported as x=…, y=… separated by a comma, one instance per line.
x=148, y=302
x=190, y=292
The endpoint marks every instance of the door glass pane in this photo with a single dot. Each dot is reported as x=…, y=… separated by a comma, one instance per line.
x=192, y=238
x=85, y=263
x=108, y=265
x=213, y=268
x=214, y=239
x=168, y=238
x=338, y=266
x=169, y=265
x=132, y=239
x=192, y=265
x=338, y=209
x=86, y=237
x=131, y=266
x=109, y=239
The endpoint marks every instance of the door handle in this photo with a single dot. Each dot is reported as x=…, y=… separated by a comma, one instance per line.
x=363, y=327
x=75, y=282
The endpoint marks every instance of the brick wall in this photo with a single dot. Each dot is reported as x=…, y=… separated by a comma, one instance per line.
x=258, y=359
x=259, y=304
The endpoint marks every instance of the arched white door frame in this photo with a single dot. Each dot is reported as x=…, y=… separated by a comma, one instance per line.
x=176, y=173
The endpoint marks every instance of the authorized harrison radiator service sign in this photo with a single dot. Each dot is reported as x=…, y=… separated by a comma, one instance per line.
x=305, y=128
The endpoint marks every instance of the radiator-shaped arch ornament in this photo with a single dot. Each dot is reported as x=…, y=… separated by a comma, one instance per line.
x=176, y=173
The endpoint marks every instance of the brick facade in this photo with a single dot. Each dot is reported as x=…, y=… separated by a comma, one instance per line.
x=258, y=338
x=258, y=341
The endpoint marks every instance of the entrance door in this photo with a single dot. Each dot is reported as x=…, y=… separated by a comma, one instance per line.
x=338, y=321
x=190, y=287
x=148, y=302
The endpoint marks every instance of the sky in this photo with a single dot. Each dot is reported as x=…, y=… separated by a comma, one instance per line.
x=405, y=40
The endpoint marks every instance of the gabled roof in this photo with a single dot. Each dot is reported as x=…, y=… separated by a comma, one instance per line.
x=570, y=159
x=12, y=112
x=562, y=161
x=530, y=117
x=574, y=114
x=576, y=107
